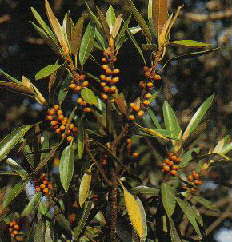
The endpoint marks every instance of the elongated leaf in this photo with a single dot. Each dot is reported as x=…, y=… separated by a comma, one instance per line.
x=84, y=187
x=80, y=141
x=154, y=119
x=117, y=26
x=168, y=199
x=66, y=166
x=204, y=202
x=40, y=229
x=190, y=43
x=32, y=205
x=63, y=222
x=76, y=35
x=110, y=18
x=173, y=232
x=12, y=139
x=86, y=44
x=159, y=14
x=136, y=213
x=89, y=96
x=190, y=214
x=146, y=190
x=9, y=77
x=197, y=117
x=82, y=222
x=46, y=71
x=100, y=39
x=13, y=193
x=170, y=120
x=140, y=20
x=17, y=87
x=57, y=29
x=155, y=133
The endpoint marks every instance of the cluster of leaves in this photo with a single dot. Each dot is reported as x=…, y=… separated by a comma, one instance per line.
x=90, y=198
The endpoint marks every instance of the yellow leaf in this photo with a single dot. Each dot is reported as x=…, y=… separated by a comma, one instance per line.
x=136, y=213
x=57, y=29
x=84, y=187
x=116, y=26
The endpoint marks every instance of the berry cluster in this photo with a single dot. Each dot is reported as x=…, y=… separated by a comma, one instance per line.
x=86, y=107
x=14, y=229
x=78, y=83
x=43, y=185
x=146, y=87
x=61, y=124
x=194, y=180
x=135, y=155
x=109, y=78
x=169, y=165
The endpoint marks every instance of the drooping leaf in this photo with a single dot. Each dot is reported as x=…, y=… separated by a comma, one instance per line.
x=86, y=44
x=80, y=141
x=84, y=187
x=190, y=214
x=32, y=205
x=159, y=14
x=197, y=117
x=13, y=192
x=168, y=198
x=110, y=18
x=66, y=166
x=136, y=213
x=154, y=118
x=173, y=232
x=204, y=202
x=46, y=71
x=12, y=139
x=89, y=96
x=76, y=35
x=57, y=29
x=140, y=20
x=170, y=120
x=190, y=43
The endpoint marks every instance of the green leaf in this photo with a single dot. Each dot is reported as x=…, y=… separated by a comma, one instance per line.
x=87, y=44
x=187, y=157
x=82, y=222
x=110, y=17
x=146, y=190
x=9, y=77
x=40, y=229
x=170, y=120
x=154, y=118
x=204, y=202
x=12, y=139
x=168, y=198
x=89, y=96
x=190, y=43
x=226, y=148
x=13, y=193
x=173, y=232
x=63, y=90
x=140, y=20
x=84, y=189
x=190, y=214
x=80, y=141
x=46, y=71
x=197, y=117
x=100, y=39
x=66, y=166
x=32, y=205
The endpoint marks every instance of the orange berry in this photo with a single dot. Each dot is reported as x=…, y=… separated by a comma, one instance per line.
x=166, y=168
x=103, y=77
x=148, y=95
x=49, y=118
x=115, y=79
x=146, y=103
x=129, y=141
x=198, y=182
x=104, y=96
x=104, y=59
x=45, y=190
x=79, y=100
x=15, y=232
x=71, y=126
x=59, y=112
x=116, y=71
x=85, y=84
x=64, y=121
x=106, y=89
x=134, y=107
x=51, y=111
x=108, y=71
x=72, y=86
x=135, y=155
x=195, y=175
x=104, y=67
x=150, y=84
x=63, y=135
x=170, y=154
x=175, y=167
x=45, y=182
x=157, y=77
x=42, y=186
x=87, y=110
x=56, y=107
x=190, y=178
x=168, y=162
x=60, y=117
x=140, y=113
x=75, y=129
x=16, y=226
x=62, y=127
x=173, y=172
x=58, y=131
x=54, y=122
x=81, y=77
x=37, y=189
x=77, y=88
x=131, y=117
x=113, y=89
x=103, y=84
x=70, y=138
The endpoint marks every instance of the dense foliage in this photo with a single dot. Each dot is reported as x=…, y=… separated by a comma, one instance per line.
x=106, y=157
